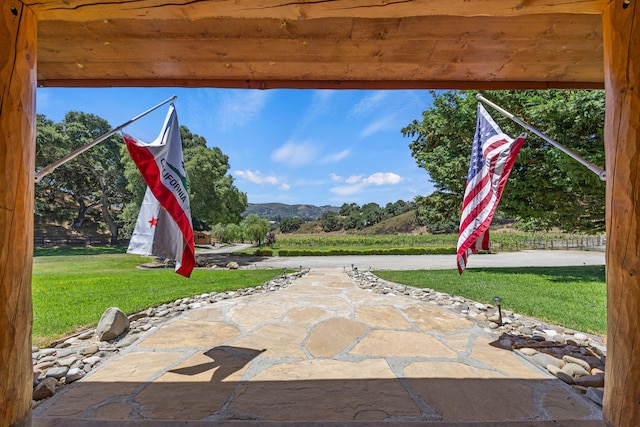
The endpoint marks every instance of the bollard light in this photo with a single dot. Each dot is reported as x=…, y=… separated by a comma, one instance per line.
x=498, y=302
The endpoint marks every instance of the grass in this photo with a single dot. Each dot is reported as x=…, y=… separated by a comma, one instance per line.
x=71, y=292
x=572, y=297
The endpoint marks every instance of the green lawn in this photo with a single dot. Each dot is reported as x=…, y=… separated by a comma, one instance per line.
x=72, y=291
x=573, y=297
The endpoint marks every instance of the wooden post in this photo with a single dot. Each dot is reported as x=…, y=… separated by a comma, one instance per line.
x=18, y=34
x=622, y=140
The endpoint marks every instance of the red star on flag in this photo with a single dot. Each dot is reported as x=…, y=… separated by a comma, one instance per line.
x=153, y=221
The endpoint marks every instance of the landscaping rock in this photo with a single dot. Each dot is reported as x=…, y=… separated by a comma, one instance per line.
x=74, y=374
x=46, y=388
x=528, y=351
x=57, y=372
x=577, y=361
x=544, y=360
x=590, y=380
x=575, y=370
x=89, y=350
x=560, y=374
x=112, y=323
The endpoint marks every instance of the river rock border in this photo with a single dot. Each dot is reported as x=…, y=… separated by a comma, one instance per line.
x=574, y=357
x=70, y=359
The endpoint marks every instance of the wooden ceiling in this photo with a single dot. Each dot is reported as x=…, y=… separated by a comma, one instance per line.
x=484, y=44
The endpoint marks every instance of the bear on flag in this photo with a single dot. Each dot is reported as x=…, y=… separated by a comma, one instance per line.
x=163, y=228
x=493, y=154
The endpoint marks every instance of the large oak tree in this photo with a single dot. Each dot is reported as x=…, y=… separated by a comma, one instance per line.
x=94, y=179
x=546, y=188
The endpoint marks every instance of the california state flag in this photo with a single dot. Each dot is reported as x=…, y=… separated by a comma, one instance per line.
x=163, y=228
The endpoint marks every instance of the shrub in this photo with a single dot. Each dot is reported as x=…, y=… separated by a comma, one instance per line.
x=264, y=252
x=431, y=250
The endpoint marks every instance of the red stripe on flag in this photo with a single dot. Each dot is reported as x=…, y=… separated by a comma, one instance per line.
x=145, y=160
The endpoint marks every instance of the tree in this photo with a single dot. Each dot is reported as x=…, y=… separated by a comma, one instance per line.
x=289, y=225
x=398, y=208
x=438, y=212
x=93, y=179
x=233, y=233
x=371, y=214
x=330, y=221
x=546, y=188
x=51, y=205
x=352, y=220
x=218, y=231
x=212, y=194
x=255, y=228
x=348, y=208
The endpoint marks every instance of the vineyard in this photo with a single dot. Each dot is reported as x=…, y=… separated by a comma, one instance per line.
x=499, y=241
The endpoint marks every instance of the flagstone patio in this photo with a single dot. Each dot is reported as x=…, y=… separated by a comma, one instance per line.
x=321, y=352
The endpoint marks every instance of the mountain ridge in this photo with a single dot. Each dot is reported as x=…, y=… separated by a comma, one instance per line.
x=278, y=211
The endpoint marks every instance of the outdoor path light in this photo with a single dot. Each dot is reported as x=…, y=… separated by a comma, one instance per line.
x=498, y=302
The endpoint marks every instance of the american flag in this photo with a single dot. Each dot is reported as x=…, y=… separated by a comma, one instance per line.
x=492, y=157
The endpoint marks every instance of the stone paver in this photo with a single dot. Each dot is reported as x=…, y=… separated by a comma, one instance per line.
x=320, y=350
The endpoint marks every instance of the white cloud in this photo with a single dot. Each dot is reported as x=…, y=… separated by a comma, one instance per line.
x=382, y=124
x=295, y=154
x=353, y=179
x=239, y=107
x=335, y=157
x=368, y=104
x=356, y=183
x=256, y=177
x=382, y=178
x=285, y=186
x=336, y=178
x=347, y=190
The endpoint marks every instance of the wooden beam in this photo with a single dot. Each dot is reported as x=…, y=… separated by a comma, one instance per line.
x=324, y=84
x=542, y=49
x=622, y=144
x=18, y=34
x=88, y=10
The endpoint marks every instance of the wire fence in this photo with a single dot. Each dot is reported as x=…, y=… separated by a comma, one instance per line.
x=576, y=243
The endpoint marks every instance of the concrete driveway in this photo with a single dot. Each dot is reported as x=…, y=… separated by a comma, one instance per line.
x=530, y=258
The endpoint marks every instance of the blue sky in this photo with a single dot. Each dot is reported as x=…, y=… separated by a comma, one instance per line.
x=321, y=147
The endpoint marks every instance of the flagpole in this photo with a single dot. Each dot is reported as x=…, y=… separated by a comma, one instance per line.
x=53, y=166
x=593, y=168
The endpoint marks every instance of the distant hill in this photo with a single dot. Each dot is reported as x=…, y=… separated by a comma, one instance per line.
x=279, y=211
x=402, y=224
